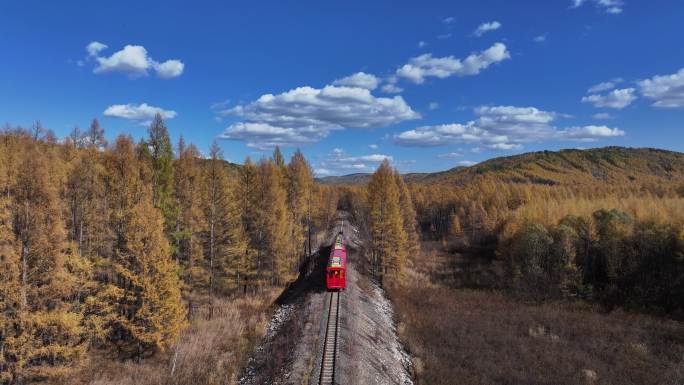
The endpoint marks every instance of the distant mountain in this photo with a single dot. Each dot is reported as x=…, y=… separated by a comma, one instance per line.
x=608, y=164
x=350, y=179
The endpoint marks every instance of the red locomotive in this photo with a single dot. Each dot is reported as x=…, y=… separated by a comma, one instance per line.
x=335, y=277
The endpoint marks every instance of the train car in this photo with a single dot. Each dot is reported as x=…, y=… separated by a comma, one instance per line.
x=336, y=272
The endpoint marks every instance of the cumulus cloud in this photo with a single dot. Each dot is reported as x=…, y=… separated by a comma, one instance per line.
x=132, y=60
x=359, y=79
x=590, y=133
x=502, y=128
x=613, y=7
x=142, y=113
x=95, y=47
x=433, y=106
x=486, y=27
x=617, y=99
x=604, y=86
x=306, y=115
x=665, y=90
x=539, y=38
x=169, y=69
x=466, y=163
x=391, y=88
x=338, y=162
x=423, y=66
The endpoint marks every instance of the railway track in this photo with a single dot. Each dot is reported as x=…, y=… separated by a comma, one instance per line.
x=329, y=358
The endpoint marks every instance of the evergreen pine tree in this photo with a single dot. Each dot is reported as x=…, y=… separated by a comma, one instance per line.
x=161, y=156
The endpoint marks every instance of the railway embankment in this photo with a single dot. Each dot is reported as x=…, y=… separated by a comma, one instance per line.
x=368, y=349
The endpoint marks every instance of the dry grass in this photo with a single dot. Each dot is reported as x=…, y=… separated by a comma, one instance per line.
x=483, y=337
x=208, y=352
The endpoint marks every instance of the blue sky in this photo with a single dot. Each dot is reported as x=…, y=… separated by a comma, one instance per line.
x=430, y=84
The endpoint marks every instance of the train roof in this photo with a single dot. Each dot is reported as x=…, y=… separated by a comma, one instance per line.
x=337, y=261
x=338, y=254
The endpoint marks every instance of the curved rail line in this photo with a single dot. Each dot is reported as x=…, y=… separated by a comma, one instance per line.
x=330, y=348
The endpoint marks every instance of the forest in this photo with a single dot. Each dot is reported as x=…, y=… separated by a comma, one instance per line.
x=128, y=253
x=117, y=247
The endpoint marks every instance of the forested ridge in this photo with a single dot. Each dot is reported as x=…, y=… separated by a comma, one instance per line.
x=603, y=225
x=113, y=246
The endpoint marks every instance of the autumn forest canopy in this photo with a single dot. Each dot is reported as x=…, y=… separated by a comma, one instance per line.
x=116, y=247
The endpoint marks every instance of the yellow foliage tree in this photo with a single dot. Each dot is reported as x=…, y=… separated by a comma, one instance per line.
x=388, y=234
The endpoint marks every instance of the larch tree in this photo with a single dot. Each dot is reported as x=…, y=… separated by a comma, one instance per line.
x=300, y=197
x=408, y=213
x=95, y=136
x=50, y=323
x=86, y=201
x=144, y=289
x=224, y=235
x=273, y=222
x=187, y=192
x=388, y=236
x=12, y=357
x=248, y=204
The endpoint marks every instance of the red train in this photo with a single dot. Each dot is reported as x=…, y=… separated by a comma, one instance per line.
x=336, y=272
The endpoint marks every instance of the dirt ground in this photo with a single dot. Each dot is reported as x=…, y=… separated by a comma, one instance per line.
x=370, y=352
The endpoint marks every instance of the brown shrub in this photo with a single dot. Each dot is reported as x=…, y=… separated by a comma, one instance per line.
x=208, y=352
x=480, y=337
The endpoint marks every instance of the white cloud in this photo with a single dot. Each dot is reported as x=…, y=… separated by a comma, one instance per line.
x=433, y=106
x=322, y=172
x=604, y=86
x=306, y=115
x=169, y=69
x=617, y=99
x=337, y=162
x=486, y=27
x=142, y=113
x=95, y=47
x=376, y=158
x=390, y=88
x=359, y=79
x=423, y=66
x=132, y=60
x=444, y=36
x=502, y=128
x=666, y=90
x=609, y=6
x=451, y=155
x=448, y=20
x=539, y=38
x=373, y=146
x=466, y=163
x=421, y=44
x=602, y=116
x=590, y=133
x=505, y=146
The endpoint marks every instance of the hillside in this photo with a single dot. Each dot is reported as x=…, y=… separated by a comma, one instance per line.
x=609, y=165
